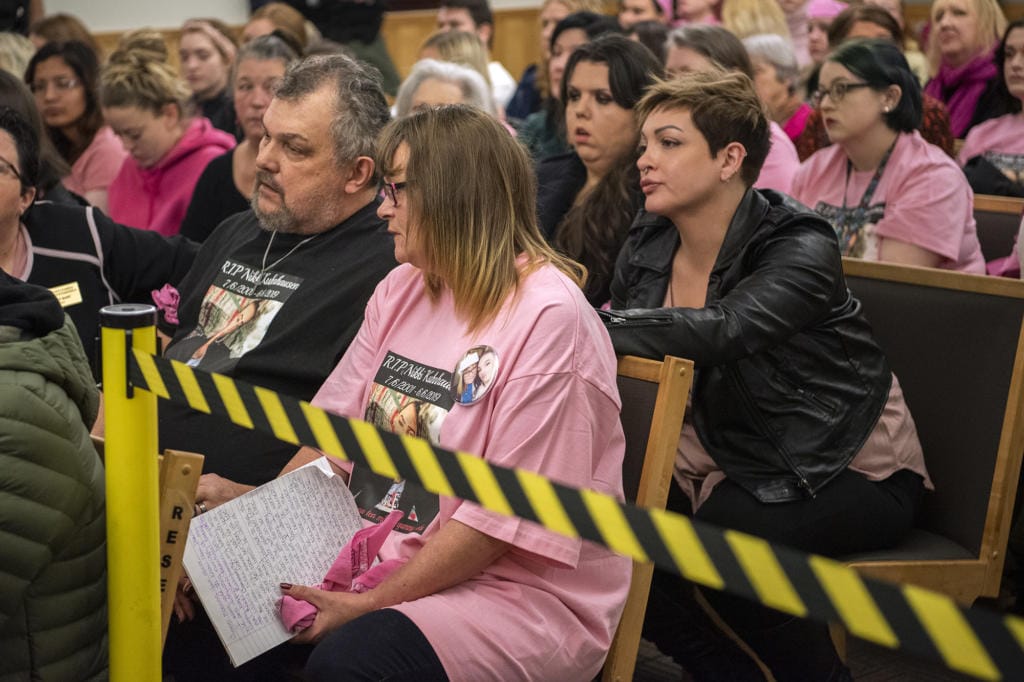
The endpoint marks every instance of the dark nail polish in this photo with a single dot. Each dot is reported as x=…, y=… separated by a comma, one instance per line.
x=286, y=586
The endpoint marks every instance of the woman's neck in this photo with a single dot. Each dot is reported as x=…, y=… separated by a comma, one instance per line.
x=11, y=255
x=702, y=227
x=73, y=133
x=867, y=152
x=594, y=177
x=788, y=108
x=707, y=16
x=244, y=166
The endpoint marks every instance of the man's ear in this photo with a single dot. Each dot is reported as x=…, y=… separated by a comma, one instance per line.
x=360, y=172
x=485, y=31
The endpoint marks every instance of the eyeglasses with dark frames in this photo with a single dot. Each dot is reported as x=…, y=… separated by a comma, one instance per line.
x=837, y=91
x=391, y=190
x=9, y=169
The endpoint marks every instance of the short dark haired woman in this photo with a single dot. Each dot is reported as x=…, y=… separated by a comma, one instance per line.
x=799, y=432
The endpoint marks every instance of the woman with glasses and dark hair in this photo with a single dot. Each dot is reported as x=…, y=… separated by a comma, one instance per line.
x=473, y=595
x=796, y=431
x=868, y=21
x=64, y=77
x=587, y=198
x=889, y=195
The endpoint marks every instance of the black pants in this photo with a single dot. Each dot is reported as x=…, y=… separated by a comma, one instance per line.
x=382, y=645
x=851, y=514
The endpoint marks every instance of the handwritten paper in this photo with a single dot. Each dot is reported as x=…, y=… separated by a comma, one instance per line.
x=289, y=530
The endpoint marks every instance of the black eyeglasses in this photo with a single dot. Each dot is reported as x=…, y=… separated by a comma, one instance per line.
x=9, y=169
x=837, y=91
x=391, y=190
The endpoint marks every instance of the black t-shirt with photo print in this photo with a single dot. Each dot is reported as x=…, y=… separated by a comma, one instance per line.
x=284, y=327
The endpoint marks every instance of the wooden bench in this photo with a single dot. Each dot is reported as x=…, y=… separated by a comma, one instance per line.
x=653, y=403
x=956, y=342
x=998, y=220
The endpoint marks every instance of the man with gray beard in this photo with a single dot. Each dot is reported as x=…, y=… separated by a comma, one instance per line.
x=276, y=294
x=274, y=298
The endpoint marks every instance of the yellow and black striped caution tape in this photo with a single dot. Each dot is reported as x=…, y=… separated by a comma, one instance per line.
x=976, y=642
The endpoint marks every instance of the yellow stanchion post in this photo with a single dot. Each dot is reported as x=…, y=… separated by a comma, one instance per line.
x=133, y=526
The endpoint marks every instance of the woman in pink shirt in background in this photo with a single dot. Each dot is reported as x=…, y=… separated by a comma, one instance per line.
x=476, y=595
x=64, y=76
x=147, y=106
x=889, y=195
x=704, y=48
x=993, y=153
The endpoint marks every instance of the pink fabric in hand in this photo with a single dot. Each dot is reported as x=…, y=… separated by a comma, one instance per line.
x=166, y=300
x=352, y=571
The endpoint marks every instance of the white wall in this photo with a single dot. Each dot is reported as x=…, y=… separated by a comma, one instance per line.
x=119, y=15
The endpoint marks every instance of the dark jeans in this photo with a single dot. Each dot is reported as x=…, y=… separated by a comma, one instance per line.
x=851, y=514
x=193, y=653
x=382, y=645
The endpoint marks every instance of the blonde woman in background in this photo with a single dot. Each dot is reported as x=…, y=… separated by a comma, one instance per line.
x=961, y=50
x=458, y=47
x=15, y=52
x=746, y=18
x=149, y=107
x=206, y=51
x=277, y=16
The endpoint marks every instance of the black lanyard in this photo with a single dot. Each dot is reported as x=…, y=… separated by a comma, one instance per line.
x=848, y=223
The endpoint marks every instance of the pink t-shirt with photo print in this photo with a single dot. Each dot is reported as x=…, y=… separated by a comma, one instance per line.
x=1000, y=140
x=922, y=199
x=546, y=402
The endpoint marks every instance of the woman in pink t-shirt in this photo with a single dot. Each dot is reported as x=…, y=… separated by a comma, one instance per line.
x=704, y=48
x=889, y=195
x=993, y=153
x=475, y=595
x=64, y=76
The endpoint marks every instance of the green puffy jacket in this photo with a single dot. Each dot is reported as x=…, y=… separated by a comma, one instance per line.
x=53, y=565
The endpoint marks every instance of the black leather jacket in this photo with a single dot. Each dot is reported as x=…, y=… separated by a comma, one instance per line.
x=789, y=380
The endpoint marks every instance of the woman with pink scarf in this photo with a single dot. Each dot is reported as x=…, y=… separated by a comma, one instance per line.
x=964, y=34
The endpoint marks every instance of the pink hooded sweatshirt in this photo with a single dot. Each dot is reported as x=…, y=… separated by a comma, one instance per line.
x=157, y=197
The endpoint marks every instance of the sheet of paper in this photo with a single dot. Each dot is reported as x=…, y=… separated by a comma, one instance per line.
x=289, y=530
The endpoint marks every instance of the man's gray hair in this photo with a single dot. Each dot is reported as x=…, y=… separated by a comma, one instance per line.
x=777, y=51
x=360, y=109
x=474, y=89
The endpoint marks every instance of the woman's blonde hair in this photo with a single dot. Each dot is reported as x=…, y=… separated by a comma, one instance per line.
x=746, y=18
x=991, y=25
x=460, y=47
x=472, y=219
x=15, y=53
x=287, y=19
x=138, y=74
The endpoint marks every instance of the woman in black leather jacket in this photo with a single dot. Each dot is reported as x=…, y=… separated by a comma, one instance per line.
x=798, y=431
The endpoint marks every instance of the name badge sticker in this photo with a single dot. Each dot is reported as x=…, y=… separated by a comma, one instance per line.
x=67, y=294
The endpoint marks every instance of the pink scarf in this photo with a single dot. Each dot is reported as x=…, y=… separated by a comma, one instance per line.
x=960, y=89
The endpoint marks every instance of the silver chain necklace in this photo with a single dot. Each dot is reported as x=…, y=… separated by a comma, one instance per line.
x=266, y=252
